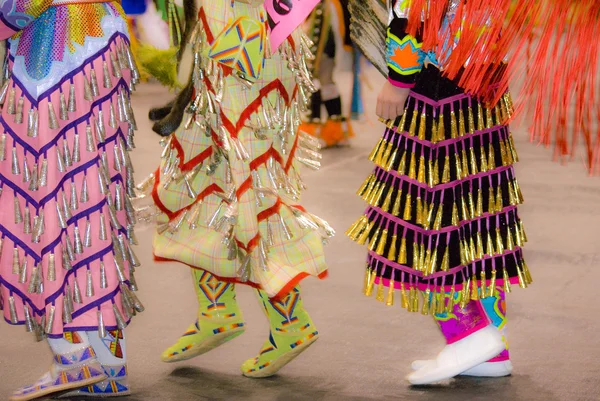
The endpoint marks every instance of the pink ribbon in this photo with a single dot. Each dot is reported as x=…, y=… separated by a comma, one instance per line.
x=285, y=16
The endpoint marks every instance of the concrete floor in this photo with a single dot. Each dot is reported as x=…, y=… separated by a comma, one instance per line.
x=366, y=348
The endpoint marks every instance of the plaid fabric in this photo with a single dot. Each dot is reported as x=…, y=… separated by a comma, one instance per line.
x=203, y=247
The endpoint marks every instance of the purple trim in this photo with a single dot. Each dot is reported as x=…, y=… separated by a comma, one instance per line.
x=502, y=129
x=71, y=221
x=70, y=75
x=85, y=328
x=49, y=248
x=439, y=288
x=42, y=202
x=9, y=25
x=441, y=102
x=375, y=210
x=439, y=187
x=96, y=303
x=59, y=292
x=399, y=84
x=62, y=131
x=467, y=333
x=452, y=271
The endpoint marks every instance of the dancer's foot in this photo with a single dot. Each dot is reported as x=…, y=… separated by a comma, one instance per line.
x=202, y=337
x=460, y=357
x=68, y=371
x=116, y=385
x=219, y=319
x=288, y=337
x=486, y=369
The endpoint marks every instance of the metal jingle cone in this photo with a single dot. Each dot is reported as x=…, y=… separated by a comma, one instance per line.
x=74, y=204
x=66, y=261
x=33, y=182
x=90, y=145
x=244, y=271
x=11, y=107
x=130, y=211
x=101, y=182
x=103, y=278
x=16, y=170
x=103, y=236
x=3, y=147
x=84, y=196
x=107, y=82
x=87, y=239
x=29, y=325
x=123, y=154
x=190, y=191
x=119, y=197
x=69, y=246
x=16, y=264
x=4, y=93
x=50, y=319
x=51, y=272
x=76, y=149
x=121, y=107
x=63, y=112
x=68, y=298
x=23, y=271
x=137, y=304
x=114, y=221
x=132, y=281
x=112, y=118
x=100, y=130
x=39, y=333
x=33, y=278
x=60, y=161
x=27, y=220
x=135, y=74
x=102, y=333
x=116, y=158
x=89, y=284
x=116, y=70
x=62, y=222
x=104, y=165
x=66, y=315
x=76, y=291
x=130, y=141
x=43, y=178
x=72, y=105
x=78, y=244
x=26, y=170
x=133, y=259
x=14, y=319
x=38, y=227
x=52, y=120
x=18, y=214
x=131, y=235
x=19, y=111
x=121, y=324
x=94, y=83
x=87, y=89
x=67, y=153
x=119, y=267
x=126, y=302
x=122, y=248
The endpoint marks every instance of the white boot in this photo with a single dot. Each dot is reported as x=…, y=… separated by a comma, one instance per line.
x=460, y=356
x=111, y=354
x=74, y=365
x=486, y=369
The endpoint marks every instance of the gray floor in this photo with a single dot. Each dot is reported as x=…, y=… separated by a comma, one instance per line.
x=365, y=348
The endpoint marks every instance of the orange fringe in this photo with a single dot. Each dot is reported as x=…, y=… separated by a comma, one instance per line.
x=553, y=43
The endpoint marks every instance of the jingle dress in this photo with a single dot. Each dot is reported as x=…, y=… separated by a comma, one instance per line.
x=228, y=186
x=66, y=222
